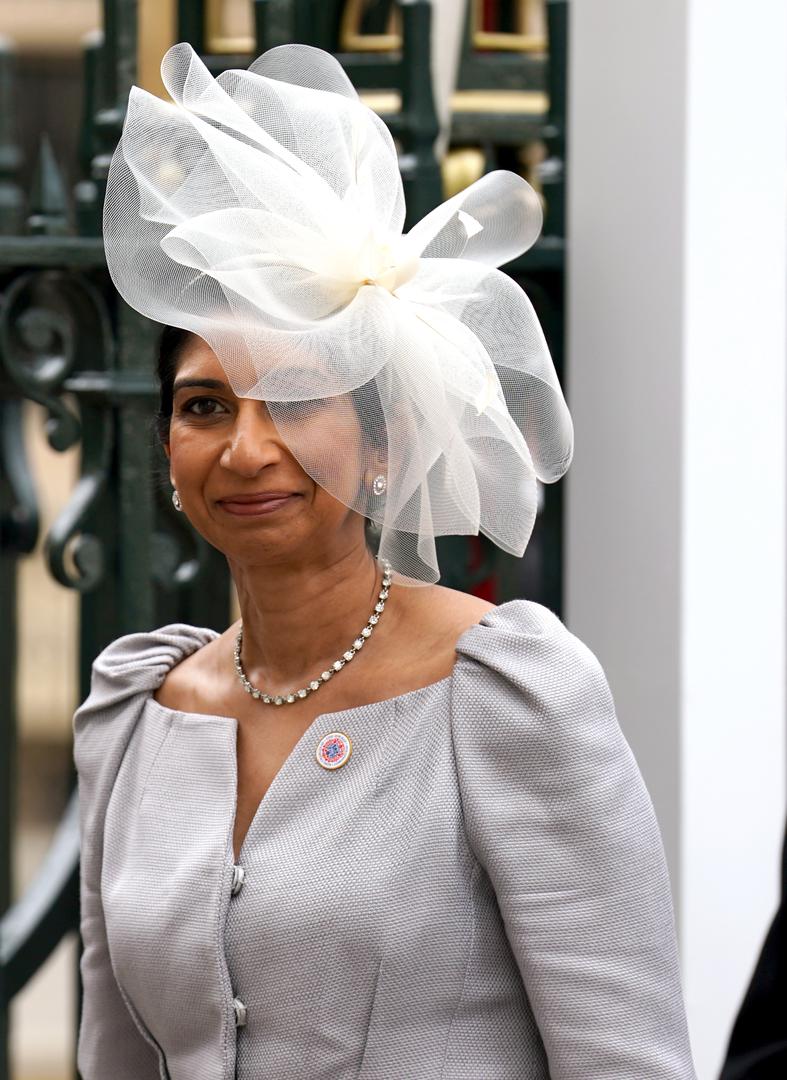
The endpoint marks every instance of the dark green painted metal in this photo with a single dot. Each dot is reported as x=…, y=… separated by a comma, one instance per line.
x=279, y=22
x=18, y=535
x=508, y=15
x=498, y=128
x=273, y=23
x=136, y=343
x=553, y=182
x=115, y=70
x=191, y=23
x=11, y=198
x=48, y=201
x=497, y=69
x=18, y=530
x=539, y=575
x=87, y=196
x=420, y=168
x=375, y=17
x=553, y=169
x=33, y=928
x=62, y=251
x=318, y=24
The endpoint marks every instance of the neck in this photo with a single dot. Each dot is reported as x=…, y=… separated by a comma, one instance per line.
x=298, y=619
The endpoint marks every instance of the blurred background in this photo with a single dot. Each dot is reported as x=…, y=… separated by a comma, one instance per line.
x=656, y=133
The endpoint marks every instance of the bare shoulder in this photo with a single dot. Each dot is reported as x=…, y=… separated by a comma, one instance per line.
x=422, y=642
x=191, y=684
x=444, y=614
x=460, y=608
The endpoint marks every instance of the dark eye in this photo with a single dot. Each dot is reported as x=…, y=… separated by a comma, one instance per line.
x=294, y=411
x=202, y=406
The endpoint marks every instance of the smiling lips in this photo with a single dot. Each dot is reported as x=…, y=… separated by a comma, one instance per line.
x=261, y=502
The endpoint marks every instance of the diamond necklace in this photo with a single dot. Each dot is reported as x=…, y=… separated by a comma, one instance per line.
x=337, y=665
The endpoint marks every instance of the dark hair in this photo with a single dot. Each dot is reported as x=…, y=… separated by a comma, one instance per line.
x=171, y=343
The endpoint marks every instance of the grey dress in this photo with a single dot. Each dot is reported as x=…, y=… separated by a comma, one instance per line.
x=479, y=893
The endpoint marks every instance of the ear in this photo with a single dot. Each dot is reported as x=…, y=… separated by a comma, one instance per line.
x=379, y=465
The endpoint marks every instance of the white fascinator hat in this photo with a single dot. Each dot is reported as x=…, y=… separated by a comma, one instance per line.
x=263, y=211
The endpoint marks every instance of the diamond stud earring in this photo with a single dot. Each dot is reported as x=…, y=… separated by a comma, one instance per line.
x=176, y=500
x=379, y=485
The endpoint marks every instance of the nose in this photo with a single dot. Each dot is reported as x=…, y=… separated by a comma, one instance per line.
x=253, y=440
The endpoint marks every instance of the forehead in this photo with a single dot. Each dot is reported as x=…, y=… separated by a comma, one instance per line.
x=197, y=359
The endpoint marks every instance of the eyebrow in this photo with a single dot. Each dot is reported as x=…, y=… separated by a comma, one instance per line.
x=206, y=384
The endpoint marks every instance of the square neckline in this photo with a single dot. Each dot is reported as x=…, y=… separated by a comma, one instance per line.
x=338, y=712
x=297, y=750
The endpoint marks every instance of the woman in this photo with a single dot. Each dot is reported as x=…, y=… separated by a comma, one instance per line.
x=430, y=854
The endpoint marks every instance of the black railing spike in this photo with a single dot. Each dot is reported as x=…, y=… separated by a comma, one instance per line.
x=48, y=200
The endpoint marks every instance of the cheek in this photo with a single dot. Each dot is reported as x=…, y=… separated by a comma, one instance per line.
x=332, y=453
x=191, y=456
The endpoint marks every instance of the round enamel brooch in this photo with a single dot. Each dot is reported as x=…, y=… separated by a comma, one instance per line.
x=334, y=750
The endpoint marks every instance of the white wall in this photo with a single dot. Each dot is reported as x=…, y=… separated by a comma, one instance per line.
x=676, y=498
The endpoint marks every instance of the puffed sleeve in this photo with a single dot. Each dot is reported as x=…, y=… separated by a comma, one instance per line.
x=557, y=813
x=111, y=1043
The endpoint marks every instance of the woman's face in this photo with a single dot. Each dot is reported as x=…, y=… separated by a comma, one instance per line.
x=241, y=487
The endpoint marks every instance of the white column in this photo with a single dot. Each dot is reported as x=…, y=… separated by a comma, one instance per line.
x=675, y=571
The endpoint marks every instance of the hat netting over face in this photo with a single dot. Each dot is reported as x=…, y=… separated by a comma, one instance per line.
x=263, y=211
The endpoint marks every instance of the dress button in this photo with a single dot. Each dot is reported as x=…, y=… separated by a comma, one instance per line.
x=240, y=1012
x=238, y=877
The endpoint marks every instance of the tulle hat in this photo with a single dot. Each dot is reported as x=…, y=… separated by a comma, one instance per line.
x=263, y=210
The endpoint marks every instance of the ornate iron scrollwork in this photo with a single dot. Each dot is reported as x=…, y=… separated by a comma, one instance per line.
x=53, y=323
x=19, y=519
